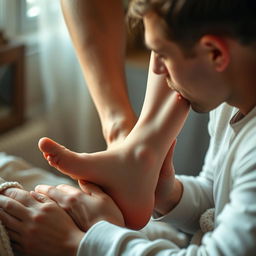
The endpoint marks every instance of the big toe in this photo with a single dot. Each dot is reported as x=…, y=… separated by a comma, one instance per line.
x=49, y=146
x=66, y=161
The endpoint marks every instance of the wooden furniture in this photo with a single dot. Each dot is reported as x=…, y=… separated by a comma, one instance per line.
x=12, y=91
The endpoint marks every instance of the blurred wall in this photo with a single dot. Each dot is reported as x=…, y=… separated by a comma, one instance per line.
x=33, y=83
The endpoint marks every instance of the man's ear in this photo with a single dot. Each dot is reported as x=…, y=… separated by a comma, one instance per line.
x=217, y=51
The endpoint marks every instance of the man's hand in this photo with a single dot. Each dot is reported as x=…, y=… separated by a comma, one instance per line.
x=86, y=208
x=169, y=189
x=38, y=226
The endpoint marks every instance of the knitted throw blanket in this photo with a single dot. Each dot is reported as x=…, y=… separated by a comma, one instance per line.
x=206, y=225
x=5, y=246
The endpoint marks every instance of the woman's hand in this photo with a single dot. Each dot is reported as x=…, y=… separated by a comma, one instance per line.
x=86, y=208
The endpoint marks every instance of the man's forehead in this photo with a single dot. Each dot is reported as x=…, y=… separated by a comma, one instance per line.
x=153, y=43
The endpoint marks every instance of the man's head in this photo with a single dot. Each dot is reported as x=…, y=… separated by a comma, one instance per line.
x=197, y=43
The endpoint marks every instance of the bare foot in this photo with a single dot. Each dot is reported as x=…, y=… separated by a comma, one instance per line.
x=127, y=172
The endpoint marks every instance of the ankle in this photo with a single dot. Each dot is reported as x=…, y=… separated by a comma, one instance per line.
x=117, y=128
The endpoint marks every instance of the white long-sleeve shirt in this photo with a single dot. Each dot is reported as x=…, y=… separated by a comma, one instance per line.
x=226, y=183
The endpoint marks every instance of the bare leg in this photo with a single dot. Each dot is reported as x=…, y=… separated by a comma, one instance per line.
x=99, y=38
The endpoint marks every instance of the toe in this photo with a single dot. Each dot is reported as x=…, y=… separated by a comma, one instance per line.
x=49, y=147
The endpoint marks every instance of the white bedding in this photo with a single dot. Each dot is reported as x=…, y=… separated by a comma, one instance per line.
x=16, y=169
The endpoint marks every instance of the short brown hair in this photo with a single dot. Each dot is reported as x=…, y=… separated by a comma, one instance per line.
x=188, y=20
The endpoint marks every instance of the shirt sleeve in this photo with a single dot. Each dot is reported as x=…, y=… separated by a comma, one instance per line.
x=196, y=199
x=105, y=239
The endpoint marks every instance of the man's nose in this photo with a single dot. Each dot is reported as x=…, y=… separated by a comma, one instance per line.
x=159, y=67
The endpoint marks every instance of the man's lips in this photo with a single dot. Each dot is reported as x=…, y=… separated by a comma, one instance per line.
x=171, y=85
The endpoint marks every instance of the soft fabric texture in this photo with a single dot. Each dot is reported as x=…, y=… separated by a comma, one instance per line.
x=16, y=169
x=206, y=223
x=226, y=183
x=156, y=229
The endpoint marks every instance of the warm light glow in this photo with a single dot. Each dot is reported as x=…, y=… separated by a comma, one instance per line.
x=33, y=8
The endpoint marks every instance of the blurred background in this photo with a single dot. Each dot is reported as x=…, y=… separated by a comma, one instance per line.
x=43, y=93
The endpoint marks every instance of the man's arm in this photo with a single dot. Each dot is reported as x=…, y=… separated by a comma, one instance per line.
x=98, y=32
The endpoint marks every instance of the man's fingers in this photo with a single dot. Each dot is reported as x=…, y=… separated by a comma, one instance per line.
x=41, y=198
x=19, y=195
x=68, y=188
x=13, y=235
x=17, y=249
x=52, y=192
x=13, y=207
x=57, y=195
x=10, y=222
x=12, y=192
